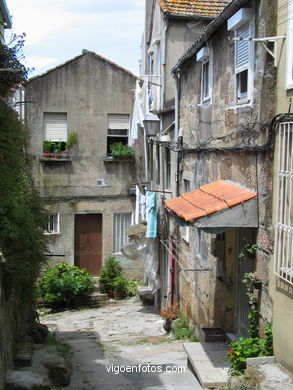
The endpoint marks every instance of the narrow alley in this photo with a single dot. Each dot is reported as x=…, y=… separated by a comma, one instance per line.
x=104, y=340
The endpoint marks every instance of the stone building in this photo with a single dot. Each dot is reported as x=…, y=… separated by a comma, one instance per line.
x=220, y=223
x=86, y=102
x=170, y=28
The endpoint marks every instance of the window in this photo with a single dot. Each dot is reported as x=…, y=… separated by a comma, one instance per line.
x=204, y=57
x=118, y=128
x=121, y=222
x=283, y=250
x=186, y=229
x=158, y=175
x=55, y=126
x=290, y=46
x=168, y=168
x=241, y=25
x=53, y=224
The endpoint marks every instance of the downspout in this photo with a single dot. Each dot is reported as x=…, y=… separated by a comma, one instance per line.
x=164, y=56
x=176, y=77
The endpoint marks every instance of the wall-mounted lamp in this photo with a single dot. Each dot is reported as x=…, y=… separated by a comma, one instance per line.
x=151, y=124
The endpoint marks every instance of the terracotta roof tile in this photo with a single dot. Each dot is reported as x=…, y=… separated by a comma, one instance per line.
x=205, y=8
x=210, y=198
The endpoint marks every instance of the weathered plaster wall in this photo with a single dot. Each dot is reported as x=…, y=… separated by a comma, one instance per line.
x=224, y=123
x=281, y=292
x=87, y=88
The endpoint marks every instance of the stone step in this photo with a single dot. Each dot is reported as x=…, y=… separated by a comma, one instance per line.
x=96, y=299
x=26, y=380
x=206, y=360
x=97, y=288
x=23, y=357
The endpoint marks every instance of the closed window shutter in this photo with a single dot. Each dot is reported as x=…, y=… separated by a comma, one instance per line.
x=118, y=121
x=242, y=48
x=55, y=126
x=120, y=238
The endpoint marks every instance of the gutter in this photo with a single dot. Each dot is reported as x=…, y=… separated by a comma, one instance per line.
x=212, y=27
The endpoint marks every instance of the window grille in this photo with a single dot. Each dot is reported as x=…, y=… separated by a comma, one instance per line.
x=53, y=224
x=283, y=266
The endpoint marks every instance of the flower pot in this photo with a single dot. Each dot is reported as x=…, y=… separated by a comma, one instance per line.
x=46, y=153
x=56, y=155
x=118, y=295
x=257, y=284
x=167, y=325
x=110, y=294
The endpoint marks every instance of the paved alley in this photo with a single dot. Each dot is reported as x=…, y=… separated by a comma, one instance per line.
x=124, y=337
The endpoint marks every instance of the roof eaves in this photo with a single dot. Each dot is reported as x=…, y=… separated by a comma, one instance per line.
x=211, y=28
x=86, y=52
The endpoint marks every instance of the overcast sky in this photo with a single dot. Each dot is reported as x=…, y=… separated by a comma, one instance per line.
x=58, y=30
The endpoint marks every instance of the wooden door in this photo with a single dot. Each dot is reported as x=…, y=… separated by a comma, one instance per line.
x=244, y=264
x=88, y=242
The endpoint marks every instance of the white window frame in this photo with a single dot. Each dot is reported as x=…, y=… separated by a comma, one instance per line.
x=289, y=51
x=283, y=251
x=120, y=238
x=51, y=125
x=53, y=224
x=117, y=131
x=235, y=23
x=204, y=56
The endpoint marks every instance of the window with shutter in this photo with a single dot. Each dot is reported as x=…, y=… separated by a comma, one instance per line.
x=121, y=222
x=204, y=56
x=118, y=128
x=242, y=51
x=55, y=126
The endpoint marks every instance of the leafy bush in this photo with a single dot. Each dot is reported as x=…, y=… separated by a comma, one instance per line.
x=111, y=270
x=119, y=149
x=63, y=284
x=181, y=329
x=112, y=279
x=244, y=348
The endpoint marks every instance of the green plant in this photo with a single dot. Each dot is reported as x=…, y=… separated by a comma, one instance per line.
x=109, y=272
x=47, y=145
x=73, y=202
x=181, y=329
x=250, y=249
x=132, y=288
x=119, y=149
x=268, y=343
x=120, y=285
x=253, y=315
x=63, y=284
x=72, y=139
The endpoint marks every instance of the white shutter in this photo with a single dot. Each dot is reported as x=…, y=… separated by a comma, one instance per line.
x=118, y=121
x=55, y=126
x=120, y=238
x=242, y=48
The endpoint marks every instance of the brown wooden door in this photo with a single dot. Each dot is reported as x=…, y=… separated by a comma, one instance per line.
x=88, y=242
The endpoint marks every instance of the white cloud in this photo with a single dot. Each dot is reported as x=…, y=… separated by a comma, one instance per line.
x=39, y=62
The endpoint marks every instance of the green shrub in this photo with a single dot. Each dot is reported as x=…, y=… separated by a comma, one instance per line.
x=244, y=348
x=181, y=329
x=64, y=284
x=119, y=149
x=111, y=270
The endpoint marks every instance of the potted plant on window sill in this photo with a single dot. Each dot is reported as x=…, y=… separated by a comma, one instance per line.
x=47, y=146
x=71, y=141
x=119, y=150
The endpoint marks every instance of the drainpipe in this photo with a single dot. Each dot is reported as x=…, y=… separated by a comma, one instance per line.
x=164, y=56
x=176, y=77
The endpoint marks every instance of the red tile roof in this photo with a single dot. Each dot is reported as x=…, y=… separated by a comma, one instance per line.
x=205, y=8
x=207, y=199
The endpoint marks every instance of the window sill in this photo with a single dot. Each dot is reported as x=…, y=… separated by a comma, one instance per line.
x=52, y=159
x=111, y=159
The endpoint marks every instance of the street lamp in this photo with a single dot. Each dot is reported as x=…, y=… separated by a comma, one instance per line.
x=151, y=124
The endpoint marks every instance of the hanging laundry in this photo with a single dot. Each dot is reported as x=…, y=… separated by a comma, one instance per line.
x=151, y=202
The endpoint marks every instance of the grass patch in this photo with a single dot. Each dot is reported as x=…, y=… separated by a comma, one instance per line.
x=153, y=340
x=54, y=340
x=182, y=331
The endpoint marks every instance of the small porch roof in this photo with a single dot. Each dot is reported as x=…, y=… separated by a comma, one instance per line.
x=221, y=203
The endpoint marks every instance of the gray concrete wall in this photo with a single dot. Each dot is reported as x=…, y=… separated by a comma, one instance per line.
x=87, y=88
